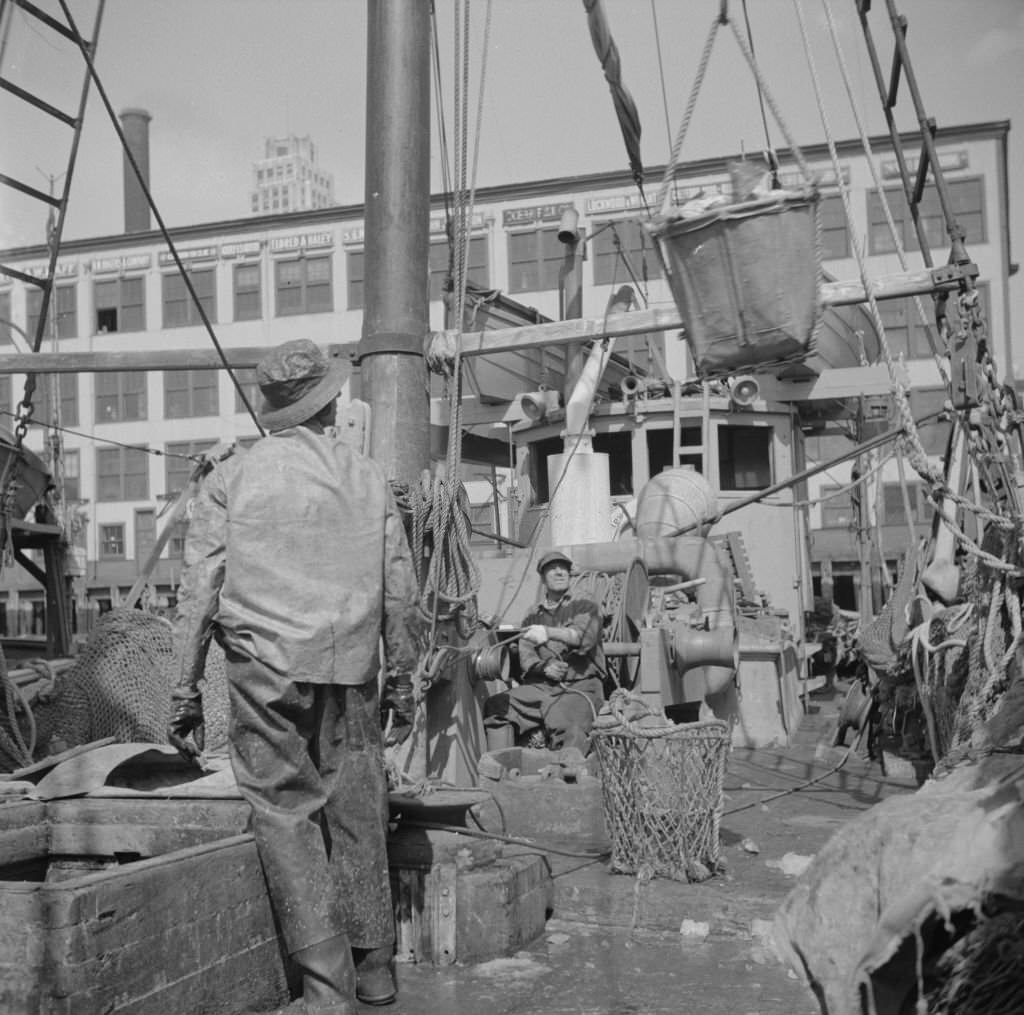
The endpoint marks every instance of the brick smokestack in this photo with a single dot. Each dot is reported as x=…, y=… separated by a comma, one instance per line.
x=135, y=124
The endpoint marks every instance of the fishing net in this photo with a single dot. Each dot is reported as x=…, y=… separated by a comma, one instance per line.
x=120, y=686
x=662, y=786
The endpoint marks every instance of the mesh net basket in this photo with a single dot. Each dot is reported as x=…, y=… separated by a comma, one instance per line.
x=746, y=279
x=663, y=796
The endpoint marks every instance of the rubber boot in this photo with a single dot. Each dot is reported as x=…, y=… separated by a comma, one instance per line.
x=375, y=977
x=328, y=977
x=500, y=737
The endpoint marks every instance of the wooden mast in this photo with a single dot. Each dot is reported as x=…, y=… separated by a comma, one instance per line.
x=397, y=236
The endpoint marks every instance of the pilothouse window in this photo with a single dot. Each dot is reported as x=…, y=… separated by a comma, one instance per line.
x=744, y=457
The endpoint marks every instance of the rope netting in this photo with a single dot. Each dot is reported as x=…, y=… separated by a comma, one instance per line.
x=662, y=786
x=120, y=687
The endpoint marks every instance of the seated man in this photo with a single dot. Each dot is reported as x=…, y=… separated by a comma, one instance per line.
x=562, y=668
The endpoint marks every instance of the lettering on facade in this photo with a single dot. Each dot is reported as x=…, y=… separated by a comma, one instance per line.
x=113, y=265
x=64, y=269
x=513, y=218
x=948, y=162
x=192, y=254
x=303, y=241
x=613, y=204
x=823, y=177
x=247, y=248
x=356, y=236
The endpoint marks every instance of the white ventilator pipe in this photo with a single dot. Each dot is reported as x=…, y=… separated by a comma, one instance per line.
x=580, y=506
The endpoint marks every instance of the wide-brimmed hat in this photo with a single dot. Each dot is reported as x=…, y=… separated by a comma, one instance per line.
x=553, y=557
x=296, y=380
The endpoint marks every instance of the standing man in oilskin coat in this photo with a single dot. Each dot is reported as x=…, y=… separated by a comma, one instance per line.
x=297, y=561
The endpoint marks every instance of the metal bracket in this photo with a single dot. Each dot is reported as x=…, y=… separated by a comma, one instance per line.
x=400, y=342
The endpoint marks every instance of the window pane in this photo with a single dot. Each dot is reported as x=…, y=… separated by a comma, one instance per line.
x=136, y=474
x=636, y=248
x=837, y=510
x=133, y=306
x=175, y=301
x=179, y=462
x=204, y=402
x=319, y=296
x=354, y=262
x=67, y=311
x=134, y=407
x=247, y=378
x=108, y=474
x=835, y=234
x=248, y=306
x=72, y=472
x=106, y=294
x=289, y=287
x=744, y=457
x=204, y=283
x=5, y=318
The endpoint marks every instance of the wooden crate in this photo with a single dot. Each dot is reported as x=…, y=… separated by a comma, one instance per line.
x=143, y=906
x=188, y=930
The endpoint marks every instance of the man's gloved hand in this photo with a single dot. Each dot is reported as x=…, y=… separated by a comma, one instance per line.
x=398, y=700
x=536, y=634
x=186, y=718
x=556, y=669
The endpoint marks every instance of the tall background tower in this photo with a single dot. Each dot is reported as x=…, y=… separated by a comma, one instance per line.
x=288, y=178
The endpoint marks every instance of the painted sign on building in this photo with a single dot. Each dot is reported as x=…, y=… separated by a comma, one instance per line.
x=300, y=241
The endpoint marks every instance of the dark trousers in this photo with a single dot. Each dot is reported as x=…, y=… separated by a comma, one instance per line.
x=566, y=711
x=308, y=758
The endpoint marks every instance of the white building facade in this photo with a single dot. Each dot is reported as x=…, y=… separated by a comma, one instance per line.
x=299, y=273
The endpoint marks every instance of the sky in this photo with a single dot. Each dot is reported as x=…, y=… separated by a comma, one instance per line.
x=219, y=76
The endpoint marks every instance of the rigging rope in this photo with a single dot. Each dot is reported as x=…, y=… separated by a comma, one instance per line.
x=916, y=454
x=140, y=177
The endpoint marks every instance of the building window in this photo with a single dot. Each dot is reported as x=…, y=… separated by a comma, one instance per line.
x=303, y=286
x=744, y=457
x=176, y=544
x=112, y=542
x=72, y=476
x=63, y=303
x=618, y=244
x=180, y=309
x=355, y=266
x=181, y=461
x=246, y=377
x=248, y=294
x=190, y=393
x=619, y=449
x=534, y=260
x=967, y=200
x=835, y=230
x=894, y=509
x=67, y=392
x=5, y=318
x=120, y=396
x=477, y=265
x=120, y=305
x=122, y=474
x=6, y=400
x=836, y=508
